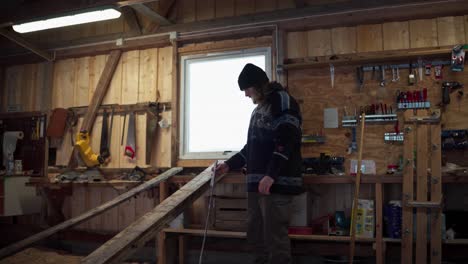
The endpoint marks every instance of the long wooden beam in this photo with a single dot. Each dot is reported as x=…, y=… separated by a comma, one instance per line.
x=145, y=228
x=98, y=96
x=131, y=19
x=151, y=14
x=15, y=37
x=4, y=252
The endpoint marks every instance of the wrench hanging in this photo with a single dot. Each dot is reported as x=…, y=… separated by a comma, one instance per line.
x=382, y=82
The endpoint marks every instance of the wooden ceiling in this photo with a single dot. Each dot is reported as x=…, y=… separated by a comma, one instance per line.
x=145, y=17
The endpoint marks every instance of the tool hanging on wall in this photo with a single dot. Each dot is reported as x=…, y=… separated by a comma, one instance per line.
x=458, y=58
x=447, y=89
x=428, y=70
x=360, y=77
x=104, y=146
x=438, y=72
x=332, y=75
x=123, y=129
x=411, y=76
x=130, y=148
x=395, y=74
x=382, y=72
x=420, y=69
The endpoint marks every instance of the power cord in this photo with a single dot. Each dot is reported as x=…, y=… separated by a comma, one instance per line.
x=210, y=204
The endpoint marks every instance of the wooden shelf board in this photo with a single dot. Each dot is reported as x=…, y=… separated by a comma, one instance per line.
x=231, y=234
x=368, y=57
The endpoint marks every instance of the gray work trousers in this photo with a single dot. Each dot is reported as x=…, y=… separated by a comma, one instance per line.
x=268, y=221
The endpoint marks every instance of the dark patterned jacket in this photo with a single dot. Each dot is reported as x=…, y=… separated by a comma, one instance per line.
x=273, y=144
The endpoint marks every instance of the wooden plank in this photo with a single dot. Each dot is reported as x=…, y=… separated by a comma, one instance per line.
x=379, y=244
x=436, y=194
x=126, y=242
x=62, y=85
x=356, y=190
x=224, y=8
x=423, y=33
x=422, y=142
x=186, y=11
x=264, y=6
x=148, y=78
x=319, y=42
x=344, y=40
x=368, y=57
x=286, y=4
x=18, y=39
x=131, y=20
x=165, y=70
x=451, y=30
x=101, y=89
x=244, y=7
x=396, y=35
x=44, y=87
x=141, y=140
x=81, y=89
x=174, y=114
x=151, y=14
x=83, y=217
x=369, y=38
x=130, y=77
x=408, y=175
x=296, y=44
x=161, y=237
x=110, y=217
x=205, y=10
x=98, y=96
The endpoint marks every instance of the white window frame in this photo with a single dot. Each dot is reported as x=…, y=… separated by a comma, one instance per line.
x=185, y=61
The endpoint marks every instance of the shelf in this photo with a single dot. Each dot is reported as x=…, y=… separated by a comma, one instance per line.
x=377, y=119
x=232, y=234
x=368, y=57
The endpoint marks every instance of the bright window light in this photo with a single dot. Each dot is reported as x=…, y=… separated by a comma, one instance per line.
x=215, y=113
x=69, y=20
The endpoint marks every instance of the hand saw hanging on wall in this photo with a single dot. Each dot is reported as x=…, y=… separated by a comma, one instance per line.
x=130, y=147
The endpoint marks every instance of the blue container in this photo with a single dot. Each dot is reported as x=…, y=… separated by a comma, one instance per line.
x=392, y=219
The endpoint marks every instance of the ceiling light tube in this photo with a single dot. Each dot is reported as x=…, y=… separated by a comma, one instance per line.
x=68, y=20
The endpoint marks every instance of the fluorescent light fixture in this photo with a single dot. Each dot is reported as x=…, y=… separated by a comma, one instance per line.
x=68, y=20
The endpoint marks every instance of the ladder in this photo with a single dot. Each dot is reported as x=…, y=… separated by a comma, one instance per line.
x=421, y=151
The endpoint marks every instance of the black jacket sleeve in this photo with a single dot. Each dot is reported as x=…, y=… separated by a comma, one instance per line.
x=238, y=160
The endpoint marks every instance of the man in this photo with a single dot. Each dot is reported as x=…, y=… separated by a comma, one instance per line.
x=273, y=160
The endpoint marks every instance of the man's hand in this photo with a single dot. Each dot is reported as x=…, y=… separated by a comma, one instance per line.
x=265, y=184
x=222, y=168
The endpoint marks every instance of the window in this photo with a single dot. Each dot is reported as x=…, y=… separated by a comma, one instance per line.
x=215, y=114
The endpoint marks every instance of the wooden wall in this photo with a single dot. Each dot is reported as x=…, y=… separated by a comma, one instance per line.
x=313, y=86
x=141, y=76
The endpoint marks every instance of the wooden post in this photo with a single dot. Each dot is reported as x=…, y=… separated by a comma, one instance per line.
x=407, y=212
x=379, y=248
x=161, y=237
x=436, y=195
x=182, y=246
x=356, y=191
x=421, y=191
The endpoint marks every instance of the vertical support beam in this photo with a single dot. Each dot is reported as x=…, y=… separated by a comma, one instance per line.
x=422, y=142
x=175, y=104
x=436, y=195
x=3, y=90
x=182, y=248
x=161, y=237
x=279, y=45
x=408, y=175
x=379, y=247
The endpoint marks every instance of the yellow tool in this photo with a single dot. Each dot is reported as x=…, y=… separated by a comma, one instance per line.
x=89, y=157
